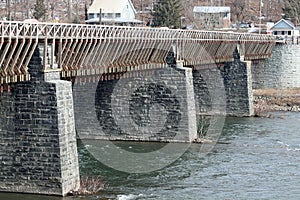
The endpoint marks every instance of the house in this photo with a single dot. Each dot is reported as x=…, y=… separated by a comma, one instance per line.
x=211, y=17
x=121, y=12
x=284, y=28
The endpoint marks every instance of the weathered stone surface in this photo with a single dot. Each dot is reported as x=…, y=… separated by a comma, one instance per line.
x=160, y=107
x=209, y=92
x=282, y=70
x=238, y=87
x=38, y=150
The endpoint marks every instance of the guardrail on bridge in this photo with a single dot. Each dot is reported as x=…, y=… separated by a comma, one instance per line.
x=100, y=49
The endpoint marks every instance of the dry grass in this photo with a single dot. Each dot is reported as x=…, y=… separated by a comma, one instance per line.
x=89, y=185
x=277, y=92
x=276, y=100
x=282, y=97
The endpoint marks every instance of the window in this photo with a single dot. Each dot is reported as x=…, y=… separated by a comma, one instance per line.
x=118, y=14
x=91, y=15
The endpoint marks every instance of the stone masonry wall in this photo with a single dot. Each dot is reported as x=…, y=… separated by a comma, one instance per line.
x=38, y=151
x=282, y=70
x=209, y=90
x=238, y=87
x=158, y=107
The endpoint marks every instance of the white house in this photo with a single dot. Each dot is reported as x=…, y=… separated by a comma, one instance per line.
x=284, y=28
x=113, y=11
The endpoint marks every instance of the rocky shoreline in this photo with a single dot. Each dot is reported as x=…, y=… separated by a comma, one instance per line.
x=268, y=100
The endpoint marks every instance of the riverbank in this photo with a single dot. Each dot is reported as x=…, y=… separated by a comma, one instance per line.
x=267, y=100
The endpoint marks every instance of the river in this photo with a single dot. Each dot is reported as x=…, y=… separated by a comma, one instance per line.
x=256, y=158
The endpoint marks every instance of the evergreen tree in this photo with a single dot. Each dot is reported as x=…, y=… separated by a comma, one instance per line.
x=39, y=10
x=166, y=13
x=292, y=10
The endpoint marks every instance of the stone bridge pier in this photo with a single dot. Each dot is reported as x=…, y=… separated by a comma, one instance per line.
x=237, y=79
x=38, y=150
x=224, y=89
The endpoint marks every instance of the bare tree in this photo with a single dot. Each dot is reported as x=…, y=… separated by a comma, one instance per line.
x=39, y=10
x=76, y=4
x=8, y=10
x=70, y=10
x=238, y=10
x=292, y=10
x=27, y=8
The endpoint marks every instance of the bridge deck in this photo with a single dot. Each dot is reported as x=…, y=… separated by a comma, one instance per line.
x=96, y=49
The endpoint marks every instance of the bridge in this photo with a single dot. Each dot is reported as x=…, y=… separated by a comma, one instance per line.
x=144, y=84
x=77, y=50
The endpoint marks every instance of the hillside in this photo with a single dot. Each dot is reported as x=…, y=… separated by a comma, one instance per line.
x=247, y=11
x=241, y=10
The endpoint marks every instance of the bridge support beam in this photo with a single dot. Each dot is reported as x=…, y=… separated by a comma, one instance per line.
x=238, y=86
x=38, y=150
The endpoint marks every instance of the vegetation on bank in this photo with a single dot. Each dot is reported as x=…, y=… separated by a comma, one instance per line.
x=89, y=185
x=266, y=100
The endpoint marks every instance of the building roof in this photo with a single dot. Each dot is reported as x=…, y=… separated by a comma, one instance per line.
x=109, y=6
x=283, y=24
x=212, y=9
x=115, y=20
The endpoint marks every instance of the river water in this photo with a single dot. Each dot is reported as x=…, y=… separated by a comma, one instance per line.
x=256, y=158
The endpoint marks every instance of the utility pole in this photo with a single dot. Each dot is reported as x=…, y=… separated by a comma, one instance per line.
x=15, y=11
x=8, y=10
x=52, y=10
x=86, y=11
x=27, y=9
x=260, y=7
x=70, y=8
x=100, y=16
x=142, y=10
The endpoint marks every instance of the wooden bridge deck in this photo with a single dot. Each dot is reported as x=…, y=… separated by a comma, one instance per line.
x=77, y=49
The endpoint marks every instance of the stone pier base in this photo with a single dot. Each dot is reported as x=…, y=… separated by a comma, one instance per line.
x=238, y=87
x=38, y=150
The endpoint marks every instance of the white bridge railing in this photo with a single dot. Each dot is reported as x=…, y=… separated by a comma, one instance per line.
x=101, y=49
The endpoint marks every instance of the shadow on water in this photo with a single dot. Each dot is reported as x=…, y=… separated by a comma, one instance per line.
x=13, y=196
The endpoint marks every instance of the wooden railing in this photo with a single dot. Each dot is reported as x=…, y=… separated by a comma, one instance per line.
x=97, y=49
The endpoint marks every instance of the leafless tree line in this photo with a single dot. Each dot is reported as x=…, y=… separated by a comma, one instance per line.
x=67, y=10
x=241, y=10
x=292, y=10
x=64, y=10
